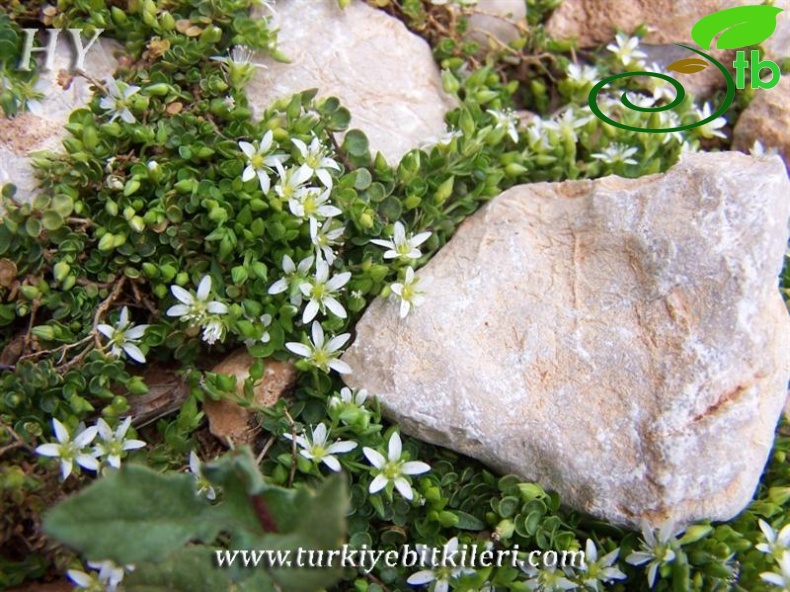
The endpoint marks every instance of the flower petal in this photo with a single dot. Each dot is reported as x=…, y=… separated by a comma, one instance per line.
x=374, y=457
x=61, y=433
x=415, y=467
x=379, y=483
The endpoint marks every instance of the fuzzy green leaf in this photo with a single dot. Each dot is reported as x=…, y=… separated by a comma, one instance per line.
x=133, y=515
x=739, y=26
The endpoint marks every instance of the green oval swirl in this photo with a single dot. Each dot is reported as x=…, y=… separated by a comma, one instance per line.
x=681, y=94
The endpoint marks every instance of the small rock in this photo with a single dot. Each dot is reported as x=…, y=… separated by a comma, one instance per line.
x=43, y=130
x=229, y=421
x=497, y=19
x=385, y=75
x=620, y=341
x=767, y=119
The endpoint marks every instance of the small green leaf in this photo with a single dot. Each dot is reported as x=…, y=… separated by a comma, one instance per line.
x=51, y=220
x=158, y=513
x=739, y=26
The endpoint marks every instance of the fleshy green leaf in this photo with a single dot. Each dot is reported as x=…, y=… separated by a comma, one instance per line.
x=154, y=514
x=739, y=26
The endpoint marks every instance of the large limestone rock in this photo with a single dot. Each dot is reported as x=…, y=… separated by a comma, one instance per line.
x=382, y=73
x=620, y=341
x=767, y=119
x=43, y=128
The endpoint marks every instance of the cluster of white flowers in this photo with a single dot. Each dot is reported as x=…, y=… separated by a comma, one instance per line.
x=199, y=311
x=507, y=120
x=106, y=576
x=390, y=469
x=111, y=446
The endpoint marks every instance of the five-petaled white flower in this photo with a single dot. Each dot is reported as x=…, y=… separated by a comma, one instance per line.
x=582, y=75
x=321, y=353
x=238, y=65
x=781, y=578
x=195, y=308
x=70, y=451
x=315, y=447
x=776, y=543
x=616, y=153
x=410, y=296
x=324, y=238
x=260, y=162
x=203, y=485
x=292, y=279
x=625, y=49
x=116, y=102
x=401, y=246
x=124, y=337
x=315, y=161
x=393, y=469
x=439, y=573
x=710, y=129
x=311, y=202
x=321, y=290
x=114, y=444
x=599, y=571
x=656, y=549
x=508, y=120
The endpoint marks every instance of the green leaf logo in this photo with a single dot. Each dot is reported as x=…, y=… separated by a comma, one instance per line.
x=739, y=26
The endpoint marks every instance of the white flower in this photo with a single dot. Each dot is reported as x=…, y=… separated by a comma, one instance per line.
x=710, y=129
x=759, y=150
x=238, y=65
x=781, y=578
x=315, y=161
x=439, y=573
x=548, y=579
x=314, y=448
x=597, y=572
x=69, y=450
x=124, y=337
x=229, y=102
x=213, y=331
x=259, y=161
x=348, y=398
x=401, y=246
x=393, y=469
x=616, y=153
x=291, y=181
x=582, y=75
x=322, y=355
x=625, y=49
x=195, y=308
x=444, y=140
x=508, y=120
x=203, y=485
x=108, y=577
x=410, y=296
x=640, y=100
x=113, y=445
x=669, y=120
x=661, y=89
x=657, y=550
x=311, y=202
x=566, y=124
x=536, y=132
x=321, y=292
x=324, y=238
x=292, y=278
x=776, y=543
x=116, y=101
